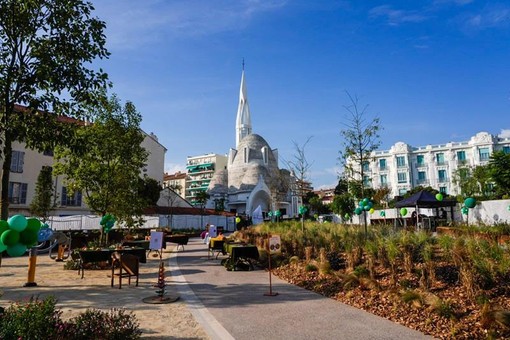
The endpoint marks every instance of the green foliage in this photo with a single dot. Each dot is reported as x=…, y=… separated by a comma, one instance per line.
x=107, y=161
x=35, y=319
x=499, y=170
x=39, y=319
x=46, y=50
x=310, y=267
x=343, y=204
x=96, y=324
x=42, y=203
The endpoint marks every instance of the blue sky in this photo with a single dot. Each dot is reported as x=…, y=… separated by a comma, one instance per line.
x=433, y=71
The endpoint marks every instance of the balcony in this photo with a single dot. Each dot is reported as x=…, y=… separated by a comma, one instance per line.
x=442, y=180
x=422, y=181
x=383, y=168
x=441, y=163
x=461, y=162
x=420, y=165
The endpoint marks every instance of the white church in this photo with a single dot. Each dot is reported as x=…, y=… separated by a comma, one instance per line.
x=252, y=182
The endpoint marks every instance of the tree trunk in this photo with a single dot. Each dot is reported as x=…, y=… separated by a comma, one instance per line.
x=6, y=170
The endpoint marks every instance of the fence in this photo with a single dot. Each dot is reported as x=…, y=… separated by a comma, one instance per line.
x=91, y=222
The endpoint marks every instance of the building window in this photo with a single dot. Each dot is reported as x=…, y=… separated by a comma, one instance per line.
x=366, y=181
x=443, y=190
x=71, y=200
x=384, y=180
x=402, y=192
x=402, y=177
x=17, y=160
x=366, y=166
x=382, y=164
x=484, y=154
x=420, y=160
x=441, y=174
x=506, y=149
x=265, y=155
x=401, y=161
x=421, y=177
x=17, y=193
x=440, y=158
x=461, y=156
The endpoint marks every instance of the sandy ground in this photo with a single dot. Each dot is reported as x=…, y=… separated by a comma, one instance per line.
x=75, y=295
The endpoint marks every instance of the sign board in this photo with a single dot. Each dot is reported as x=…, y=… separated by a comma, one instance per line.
x=275, y=244
x=213, y=231
x=156, y=242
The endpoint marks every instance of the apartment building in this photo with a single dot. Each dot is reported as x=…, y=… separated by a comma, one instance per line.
x=27, y=163
x=404, y=167
x=200, y=171
x=177, y=182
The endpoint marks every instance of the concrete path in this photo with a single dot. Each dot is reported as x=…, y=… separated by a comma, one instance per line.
x=232, y=305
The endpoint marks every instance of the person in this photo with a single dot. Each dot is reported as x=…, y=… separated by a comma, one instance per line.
x=205, y=234
x=443, y=214
x=413, y=218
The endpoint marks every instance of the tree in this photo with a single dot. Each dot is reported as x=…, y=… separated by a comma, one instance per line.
x=201, y=198
x=300, y=167
x=107, y=162
x=474, y=181
x=499, y=170
x=170, y=195
x=46, y=50
x=360, y=139
x=43, y=202
x=343, y=204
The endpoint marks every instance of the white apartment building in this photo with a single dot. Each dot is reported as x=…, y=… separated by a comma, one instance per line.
x=200, y=171
x=404, y=167
x=26, y=165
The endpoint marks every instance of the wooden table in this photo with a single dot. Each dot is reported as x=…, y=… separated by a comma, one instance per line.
x=105, y=255
x=181, y=240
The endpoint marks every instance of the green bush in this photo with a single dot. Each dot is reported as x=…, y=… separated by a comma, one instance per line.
x=95, y=324
x=39, y=319
x=35, y=319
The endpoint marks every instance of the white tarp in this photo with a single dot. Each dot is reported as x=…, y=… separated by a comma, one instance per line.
x=257, y=216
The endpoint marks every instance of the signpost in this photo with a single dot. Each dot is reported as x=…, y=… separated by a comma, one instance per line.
x=273, y=247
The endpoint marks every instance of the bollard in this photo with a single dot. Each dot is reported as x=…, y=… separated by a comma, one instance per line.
x=32, y=260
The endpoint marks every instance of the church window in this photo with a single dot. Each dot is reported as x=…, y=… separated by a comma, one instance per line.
x=265, y=155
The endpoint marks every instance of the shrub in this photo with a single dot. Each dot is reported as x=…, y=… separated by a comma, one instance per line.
x=35, y=319
x=39, y=319
x=96, y=324
x=310, y=267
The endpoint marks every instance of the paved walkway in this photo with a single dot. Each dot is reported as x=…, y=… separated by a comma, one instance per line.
x=232, y=305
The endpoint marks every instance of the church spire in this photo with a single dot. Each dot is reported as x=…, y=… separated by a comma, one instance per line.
x=243, y=120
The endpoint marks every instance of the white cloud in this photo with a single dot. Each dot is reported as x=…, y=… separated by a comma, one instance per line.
x=505, y=133
x=396, y=16
x=171, y=168
x=489, y=17
x=455, y=2
x=132, y=24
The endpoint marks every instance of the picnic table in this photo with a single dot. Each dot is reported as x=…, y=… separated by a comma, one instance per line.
x=240, y=255
x=105, y=255
x=181, y=240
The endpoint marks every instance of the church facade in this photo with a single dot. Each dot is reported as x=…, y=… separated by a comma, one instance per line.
x=252, y=178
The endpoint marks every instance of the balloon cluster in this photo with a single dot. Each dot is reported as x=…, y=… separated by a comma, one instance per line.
x=107, y=221
x=18, y=233
x=303, y=210
x=469, y=202
x=364, y=205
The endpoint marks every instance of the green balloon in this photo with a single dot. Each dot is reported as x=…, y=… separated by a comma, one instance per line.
x=358, y=211
x=470, y=202
x=17, y=222
x=465, y=210
x=33, y=224
x=17, y=249
x=28, y=237
x=365, y=201
x=439, y=197
x=10, y=237
x=2, y=247
x=403, y=211
x=382, y=213
x=3, y=226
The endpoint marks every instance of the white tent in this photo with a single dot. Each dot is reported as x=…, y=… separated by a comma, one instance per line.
x=257, y=215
